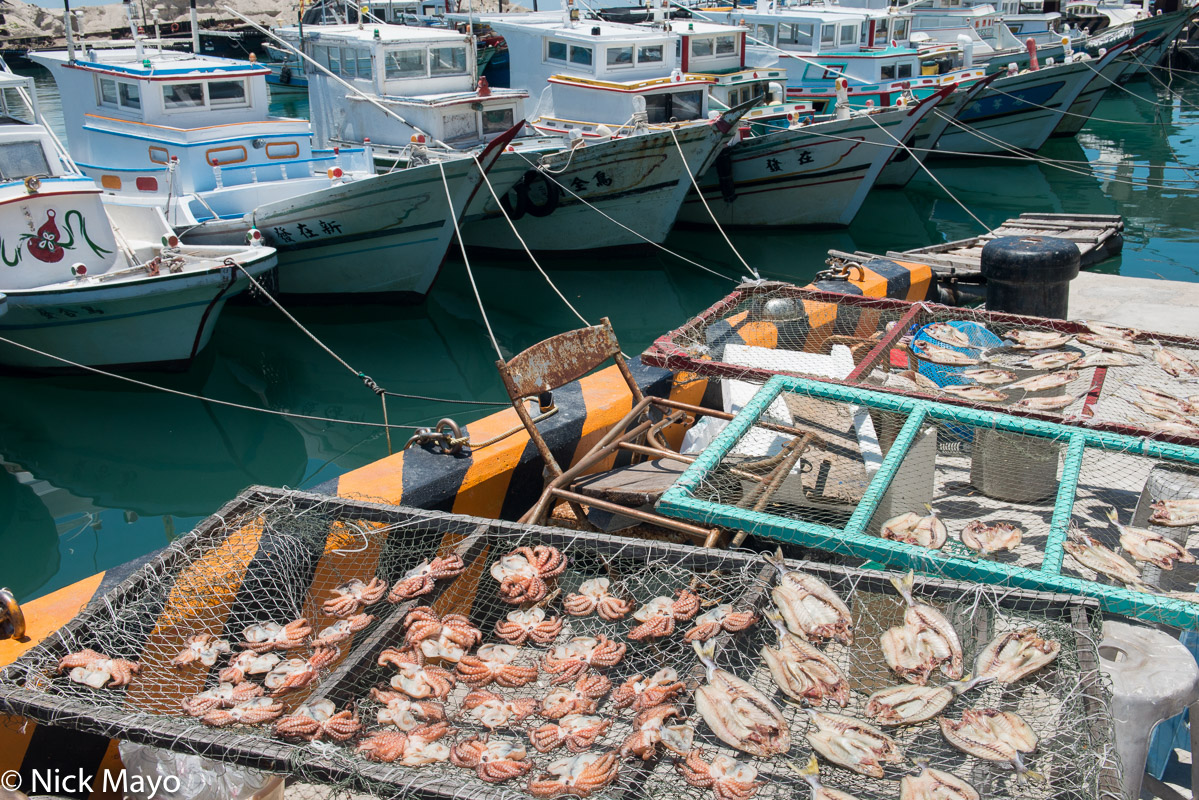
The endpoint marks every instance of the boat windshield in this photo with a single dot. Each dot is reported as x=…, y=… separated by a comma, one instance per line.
x=19, y=160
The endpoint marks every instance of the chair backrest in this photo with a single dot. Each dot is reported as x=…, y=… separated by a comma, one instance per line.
x=555, y=362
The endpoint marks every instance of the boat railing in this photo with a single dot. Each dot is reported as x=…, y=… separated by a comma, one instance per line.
x=249, y=173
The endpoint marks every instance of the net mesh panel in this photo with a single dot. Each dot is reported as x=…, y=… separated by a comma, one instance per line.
x=279, y=555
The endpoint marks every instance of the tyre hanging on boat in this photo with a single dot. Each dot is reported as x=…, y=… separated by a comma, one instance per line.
x=539, y=194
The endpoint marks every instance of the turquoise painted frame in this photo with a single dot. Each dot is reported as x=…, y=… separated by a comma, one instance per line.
x=679, y=501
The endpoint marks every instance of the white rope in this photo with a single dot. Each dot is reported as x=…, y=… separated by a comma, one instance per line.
x=699, y=191
x=620, y=224
x=469, y=274
x=1083, y=116
x=930, y=174
x=528, y=252
x=190, y=396
x=1142, y=98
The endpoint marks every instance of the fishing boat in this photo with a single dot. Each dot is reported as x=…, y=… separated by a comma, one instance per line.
x=623, y=185
x=192, y=135
x=89, y=285
x=1110, y=22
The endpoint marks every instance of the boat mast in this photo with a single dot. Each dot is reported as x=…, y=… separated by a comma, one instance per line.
x=195, y=29
x=66, y=28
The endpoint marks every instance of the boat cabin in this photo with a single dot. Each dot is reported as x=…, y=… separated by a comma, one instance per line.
x=148, y=123
x=425, y=76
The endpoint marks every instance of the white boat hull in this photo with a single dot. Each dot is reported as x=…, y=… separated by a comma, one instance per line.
x=638, y=182
x=1088, y=100
x=141, y=321
x=817, y=175
x=384, y=236
x=1020, y=111
x=904, y=165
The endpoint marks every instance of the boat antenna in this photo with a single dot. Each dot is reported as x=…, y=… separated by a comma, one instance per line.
x=66, y=29
x=133, y=27
x=195, y=29
x=325, y=70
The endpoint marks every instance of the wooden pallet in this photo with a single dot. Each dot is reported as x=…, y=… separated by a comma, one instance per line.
x=1098, y=236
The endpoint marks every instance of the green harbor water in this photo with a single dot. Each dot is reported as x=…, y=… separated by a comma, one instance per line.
x=97, y=471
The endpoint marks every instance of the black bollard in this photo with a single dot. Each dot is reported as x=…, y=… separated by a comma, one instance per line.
x=1030, y=275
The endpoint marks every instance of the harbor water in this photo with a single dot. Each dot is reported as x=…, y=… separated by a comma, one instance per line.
x=98, y=471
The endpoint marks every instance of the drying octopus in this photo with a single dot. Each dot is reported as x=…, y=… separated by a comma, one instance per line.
x=640, y=693
x=523, y=573
x=420, y=580
x=317, y=720
x=721, y=618
x=571, y=660
x=402, y=712
x=353, y=596
x=595, y=596
x=296, y=673
x=413, y=749
x=254, y=711
x=98, y=670
x=493, y=760
x=727, y=777
x=494, y=662
x=578, y=776
x=658, y=616
x=203, y=647
x=446, y=638
x=223, y=695
x=247, y=663
x=530, y=625
x=658, y=725
x=416, y=679
x=342, y=629
x=583, y=698
x=577, y=731
x=262, y=637
x=492, y=711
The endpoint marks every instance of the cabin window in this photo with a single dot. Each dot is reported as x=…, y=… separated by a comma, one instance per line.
x=21, y=159
x=555, y=51
x=726, y=45
x=405, y=64
x=905, y=71
x=901, y=30
x=335, y=60
x=828, y=35
x=223, y=94
x=218, y=156
x=880, y=30
x=864, y=34
x=447, y=60
x=320, y=54
x=650, y=54
x=701, y=47
x=887, y=72
x=159, y=155
x=183, y=95
x=364, y=64
x=620, y=56
x=764, y=33
x=581, y=55
x=848, y=35
x=497, y=120
x=795, y=33
x=108, y=92
x=120, y=94
x=278, y=150
x=679, y=106
x=131, y=95
x=348, y=60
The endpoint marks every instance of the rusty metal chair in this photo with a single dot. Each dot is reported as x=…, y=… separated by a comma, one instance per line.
x=624, y=491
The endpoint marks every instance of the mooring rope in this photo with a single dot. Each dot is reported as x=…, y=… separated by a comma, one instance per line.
x=469, y=273
x=700, y=192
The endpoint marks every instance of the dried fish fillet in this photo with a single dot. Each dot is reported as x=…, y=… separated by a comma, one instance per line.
x=991, y=735
x=921, y=381
x=986, y=539
x=1111, y=331
x=811, y=774
x=977, y=394
x=1051, y=360
x=912, y=528
x=944, y=332
x=907, y=705
x=1174, y=364
x=740, y=715
x=1176, y=513
x=1093, y=554
x=1103, y=358
x=813, y=611
x=1108, y=343
x=989, y=377
x=801, y=671
x=1014, y=655
x=1041, y=383
x=926, y=641
x=942, y=355
x=1037, y=340
x=1055, y=403
x=1149, y=546
x=851, y=743
x=933, y=784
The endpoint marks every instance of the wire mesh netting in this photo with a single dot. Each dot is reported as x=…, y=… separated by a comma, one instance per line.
x=279, y=555
x=1094, y=377
x=957, y=492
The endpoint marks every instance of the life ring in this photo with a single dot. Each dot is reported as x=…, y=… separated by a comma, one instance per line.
x=534, y=204
x=516, y=210
x=285, y=74
x=174, y=27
